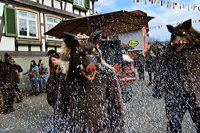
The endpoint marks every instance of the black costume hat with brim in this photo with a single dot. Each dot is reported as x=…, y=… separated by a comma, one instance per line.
x=51, y=52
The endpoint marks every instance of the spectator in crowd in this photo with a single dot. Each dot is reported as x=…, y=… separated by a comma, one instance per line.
x=149, y=65
x=51, y=66
x=55, y=88
x=43, y=72
x=50, y=88
x=55, y=60
x=1, y=101
x=139, y=63
x=17, y=91
x=33, y=73
x=7, y=83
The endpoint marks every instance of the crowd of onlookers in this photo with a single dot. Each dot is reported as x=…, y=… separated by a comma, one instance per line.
x=146, y=62
x=38, y=74
x=10, y=73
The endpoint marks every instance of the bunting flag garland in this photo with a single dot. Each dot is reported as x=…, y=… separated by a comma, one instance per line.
x=170, y=4
x=162, y=26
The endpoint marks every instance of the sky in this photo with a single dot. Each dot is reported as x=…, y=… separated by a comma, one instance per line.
x=163, y=15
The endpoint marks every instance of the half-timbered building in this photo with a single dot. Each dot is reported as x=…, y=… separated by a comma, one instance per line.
x=24, y=22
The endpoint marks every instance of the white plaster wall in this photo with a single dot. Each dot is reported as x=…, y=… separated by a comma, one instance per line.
x=43, y=45
x=33, y=0
x=69, y=7
x=59, y=49
x=42, y=18
x=1, y=8
x=57, y=4
x=47, y=3
x=76, y=11
x=22, y=48
x=90, y=4
x=40, y=1
x=89, y=12
x=63, y=5
x=82, y=13
x=35, y=48
x=134, y=36
x=7, y=44
x=49, y=48
x=42, y=30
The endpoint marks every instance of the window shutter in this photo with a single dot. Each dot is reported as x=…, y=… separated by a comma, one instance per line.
x=70, y=1
x=87, y=4
x=10, y=21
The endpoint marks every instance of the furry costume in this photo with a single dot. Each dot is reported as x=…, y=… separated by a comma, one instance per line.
x=177, y=76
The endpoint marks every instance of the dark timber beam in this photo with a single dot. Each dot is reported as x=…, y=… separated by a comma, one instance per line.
x=39, y=7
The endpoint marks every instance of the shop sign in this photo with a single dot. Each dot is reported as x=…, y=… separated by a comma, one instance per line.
x=133, y=43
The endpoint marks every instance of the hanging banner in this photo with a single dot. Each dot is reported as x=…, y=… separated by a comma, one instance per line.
x=170, y=4
x=161, y=26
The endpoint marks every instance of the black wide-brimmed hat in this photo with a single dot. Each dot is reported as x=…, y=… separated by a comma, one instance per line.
x=51, y=52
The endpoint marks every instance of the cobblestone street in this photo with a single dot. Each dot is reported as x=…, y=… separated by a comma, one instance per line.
x=144, y=114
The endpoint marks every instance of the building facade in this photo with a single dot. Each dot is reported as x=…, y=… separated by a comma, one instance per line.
x=24, y=22
x=136, y=39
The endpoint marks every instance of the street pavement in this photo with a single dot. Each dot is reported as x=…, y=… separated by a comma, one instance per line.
x=144, y=114
x=33, y=115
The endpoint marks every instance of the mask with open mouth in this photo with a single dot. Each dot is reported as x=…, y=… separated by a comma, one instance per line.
x=182, y=44
x=89, y=72
x=86, y=57
x=181, y=37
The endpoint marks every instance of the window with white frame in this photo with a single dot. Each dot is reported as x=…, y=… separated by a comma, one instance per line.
x=79, y=2
x=27, y=24
x=50, y=23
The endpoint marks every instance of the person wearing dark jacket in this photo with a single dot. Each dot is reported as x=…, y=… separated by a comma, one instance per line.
x=7, y=83
x=50, y=87
x=149, y=66
x=56, y=85
x=139, y=63
x=17, y=91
